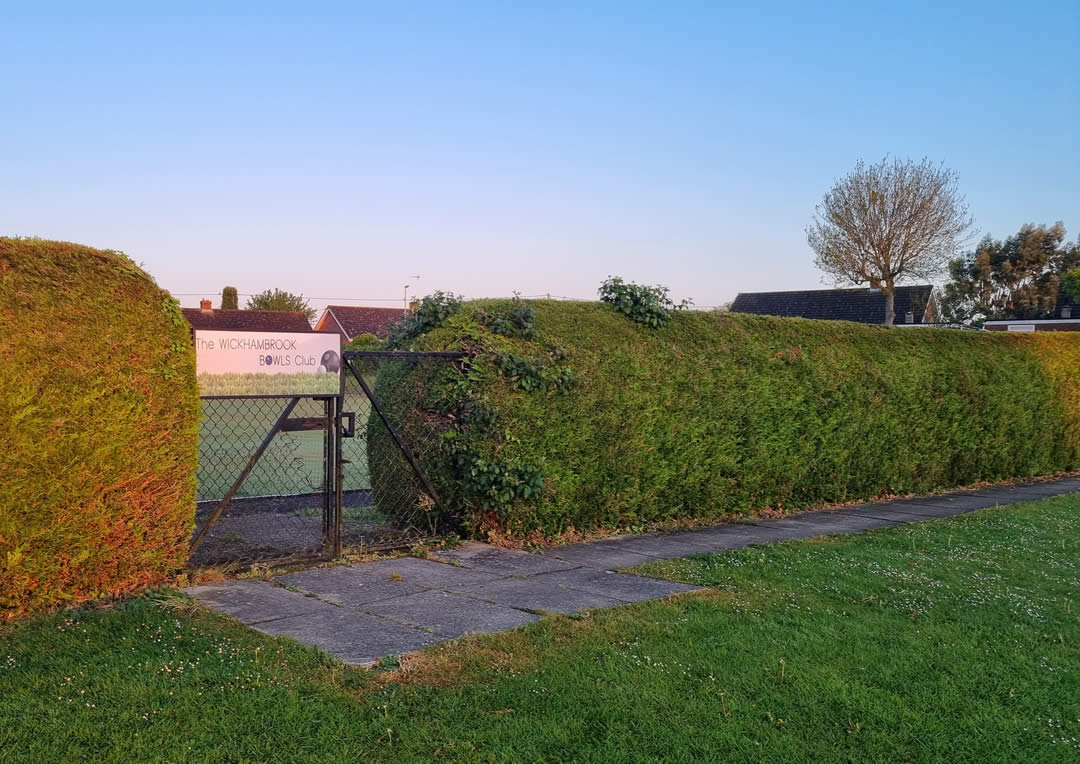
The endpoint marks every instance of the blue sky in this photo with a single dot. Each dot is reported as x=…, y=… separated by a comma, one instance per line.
x=339, y=149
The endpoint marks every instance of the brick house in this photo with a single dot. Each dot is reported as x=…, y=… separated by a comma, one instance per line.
x=349, y=321
x=205, y=317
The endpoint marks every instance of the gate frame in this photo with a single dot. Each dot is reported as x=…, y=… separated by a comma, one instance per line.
x=283, y=423
x=333, y=422
x=347, y=358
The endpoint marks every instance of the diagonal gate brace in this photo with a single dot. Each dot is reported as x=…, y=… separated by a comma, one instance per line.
x=401, y=444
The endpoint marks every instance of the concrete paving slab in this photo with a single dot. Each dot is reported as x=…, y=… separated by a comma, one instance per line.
x=493, y=587
x=508, y=562
x=620, y=586
x=881, y=514
x=1067, y=485
x=1014, y=495
x=929, y=509
x=253, y=601
x=598, y=556
x=731, y=536
x=958, y=503
x=853, y=519
x=347, y=586
x=451, y=616
x=425, y=573
x=350, y=636
x=824, y=523
x=536, y=595
x=909, y=513
x=666, y=547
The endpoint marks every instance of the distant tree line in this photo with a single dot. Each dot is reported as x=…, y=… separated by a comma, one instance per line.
x=899, y=220
x=1019, y=277
x=271, y=299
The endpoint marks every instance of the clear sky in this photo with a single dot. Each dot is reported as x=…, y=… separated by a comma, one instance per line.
x=339, y=149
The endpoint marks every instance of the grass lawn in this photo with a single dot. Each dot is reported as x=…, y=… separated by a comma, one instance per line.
x=269, y=384
x=952, y=640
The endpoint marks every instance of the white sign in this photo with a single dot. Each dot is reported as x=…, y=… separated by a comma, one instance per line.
x=267, y=363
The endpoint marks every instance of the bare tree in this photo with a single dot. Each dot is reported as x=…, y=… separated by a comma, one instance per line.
x=888, y=222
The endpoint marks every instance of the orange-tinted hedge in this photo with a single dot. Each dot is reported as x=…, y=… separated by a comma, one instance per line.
x=99, y=425
x=1059, y=355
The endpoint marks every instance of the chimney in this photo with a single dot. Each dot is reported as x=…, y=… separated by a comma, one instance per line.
x=206, y=306
x=909, y=317
x=1066, y=311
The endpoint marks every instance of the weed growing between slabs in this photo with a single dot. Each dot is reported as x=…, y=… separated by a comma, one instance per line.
x=949, y=640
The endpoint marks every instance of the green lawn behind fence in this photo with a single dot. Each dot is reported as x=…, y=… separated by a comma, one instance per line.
x=232, y=430
x=269, y=384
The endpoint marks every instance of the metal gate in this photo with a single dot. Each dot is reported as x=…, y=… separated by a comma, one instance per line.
x=294, y=478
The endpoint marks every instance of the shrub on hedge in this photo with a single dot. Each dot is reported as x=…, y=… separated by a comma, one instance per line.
x=365, y=341
x=99, y=425
x=726, y=413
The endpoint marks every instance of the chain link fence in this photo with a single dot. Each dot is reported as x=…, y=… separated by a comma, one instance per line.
x=385, y=500
x=279, y=508
x=278, y=466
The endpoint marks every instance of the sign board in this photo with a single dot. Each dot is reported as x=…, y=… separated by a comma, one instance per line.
x=267, y=363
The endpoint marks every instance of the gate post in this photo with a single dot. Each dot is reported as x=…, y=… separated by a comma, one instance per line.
x=329, y=472
x=339, y=475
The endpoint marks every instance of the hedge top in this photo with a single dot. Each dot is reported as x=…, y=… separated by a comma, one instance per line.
x=576, y=417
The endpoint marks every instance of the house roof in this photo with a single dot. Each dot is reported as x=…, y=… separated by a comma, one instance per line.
x=1038, y=325
x=352, y=320
x=248, y=320
x=862, y=305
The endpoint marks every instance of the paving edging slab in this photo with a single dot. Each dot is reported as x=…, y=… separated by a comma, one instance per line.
x=361, y=612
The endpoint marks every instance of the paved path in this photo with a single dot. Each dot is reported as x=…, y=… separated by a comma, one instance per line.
x=362, y=612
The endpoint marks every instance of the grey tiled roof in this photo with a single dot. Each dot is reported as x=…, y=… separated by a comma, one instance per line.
x=862, y=305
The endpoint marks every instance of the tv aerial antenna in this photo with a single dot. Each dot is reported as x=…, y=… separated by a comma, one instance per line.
x=413, y=276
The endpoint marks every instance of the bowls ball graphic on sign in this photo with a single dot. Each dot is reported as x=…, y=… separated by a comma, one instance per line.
x=331, y=361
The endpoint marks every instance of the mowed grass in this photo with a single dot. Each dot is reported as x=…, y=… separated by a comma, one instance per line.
x=952, y=640
x=269, y=384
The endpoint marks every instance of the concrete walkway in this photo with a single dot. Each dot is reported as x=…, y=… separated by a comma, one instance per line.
x=362, y=612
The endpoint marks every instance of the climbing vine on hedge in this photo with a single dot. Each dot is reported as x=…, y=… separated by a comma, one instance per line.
x=430, y=313
x=475, y=480
x=518, y=321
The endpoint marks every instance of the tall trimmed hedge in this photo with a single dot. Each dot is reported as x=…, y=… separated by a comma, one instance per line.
x=598, y=422
x=99, y=425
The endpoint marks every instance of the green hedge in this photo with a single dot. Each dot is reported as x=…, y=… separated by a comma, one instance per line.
x=99, y=425
x=598, y=422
